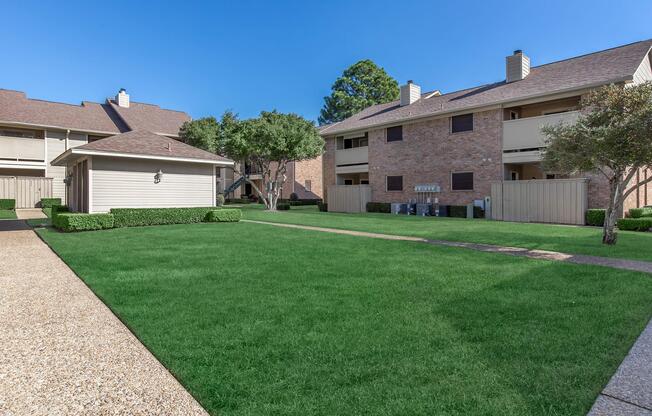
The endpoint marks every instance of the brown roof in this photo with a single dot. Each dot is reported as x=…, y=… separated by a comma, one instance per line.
x=611, y=65
x=139, y=116
x=15, y=107
x=146, y=143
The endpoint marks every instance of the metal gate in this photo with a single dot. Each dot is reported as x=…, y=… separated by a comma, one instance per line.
x=26, y=190
x=559, y=201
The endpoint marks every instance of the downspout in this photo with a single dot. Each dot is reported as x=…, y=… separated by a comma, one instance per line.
x=65, y=189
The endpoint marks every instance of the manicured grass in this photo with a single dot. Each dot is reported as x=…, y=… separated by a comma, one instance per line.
x=568, y=239
x=260, y=320
x=7, y=214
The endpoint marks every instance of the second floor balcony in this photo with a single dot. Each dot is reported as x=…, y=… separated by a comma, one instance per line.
x=22, y=149
x=353, y=156
x=523, y=138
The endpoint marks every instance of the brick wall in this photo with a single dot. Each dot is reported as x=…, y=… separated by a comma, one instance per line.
x=429, y=153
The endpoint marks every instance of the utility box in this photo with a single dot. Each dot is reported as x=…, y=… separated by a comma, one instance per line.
x=425, y=210
x=398, y=208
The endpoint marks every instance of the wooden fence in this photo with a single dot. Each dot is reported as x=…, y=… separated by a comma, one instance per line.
x=26, y=190
x=559, y=201
x=348, y=198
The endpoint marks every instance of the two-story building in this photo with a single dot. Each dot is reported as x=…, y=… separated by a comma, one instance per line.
x=466, y=140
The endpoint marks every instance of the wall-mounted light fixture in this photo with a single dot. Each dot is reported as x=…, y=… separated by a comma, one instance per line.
x=68, y=180
x=158, y=176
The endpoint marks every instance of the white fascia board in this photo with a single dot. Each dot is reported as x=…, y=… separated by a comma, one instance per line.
x=84, y=152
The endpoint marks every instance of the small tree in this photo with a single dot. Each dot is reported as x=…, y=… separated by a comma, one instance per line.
x=362, y=85
x=612, y=136
x=201, y=133
x=269, y=143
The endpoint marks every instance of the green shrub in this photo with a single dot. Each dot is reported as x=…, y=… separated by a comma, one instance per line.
x=219, y=200
x=457, y=211
x=478, y=212
x=7, y=204
x=224, y=215
x=282, y=206
x=384, y=207
x=69, y=222
x=50, y=202
x=322, y=207
x=300, y=202
x=635, y=224
x=134, y=217
x=238, y=201
x=56, y=210
x=640, y=212
x=595, y=217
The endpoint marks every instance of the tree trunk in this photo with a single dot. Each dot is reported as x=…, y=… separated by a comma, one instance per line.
x=609, y=235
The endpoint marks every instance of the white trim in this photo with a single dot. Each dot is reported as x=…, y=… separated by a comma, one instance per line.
x=8, y=164
x=45, y=150
x=89, y=203
x=77, y=151
x=214, y=186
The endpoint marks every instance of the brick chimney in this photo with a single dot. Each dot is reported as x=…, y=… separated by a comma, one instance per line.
x=518, y=66
x=122, y=99
x=410, y=93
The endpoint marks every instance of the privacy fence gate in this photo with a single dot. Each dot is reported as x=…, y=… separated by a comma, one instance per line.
x=559, y=201
x=348, y=198
x=26, y=190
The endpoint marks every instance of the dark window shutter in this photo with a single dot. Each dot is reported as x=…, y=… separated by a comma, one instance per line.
x=461, y=123
x=395, y=134
x=394, y=183
x=462, y=181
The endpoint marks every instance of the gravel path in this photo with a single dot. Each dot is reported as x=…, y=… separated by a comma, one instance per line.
x=624, y=264
x=62, y=351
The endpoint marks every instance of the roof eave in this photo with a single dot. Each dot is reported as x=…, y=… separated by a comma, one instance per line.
x=68, y=154
x=477, y=107
x=46, y=126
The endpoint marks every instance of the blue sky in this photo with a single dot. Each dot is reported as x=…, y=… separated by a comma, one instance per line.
x=207, y=57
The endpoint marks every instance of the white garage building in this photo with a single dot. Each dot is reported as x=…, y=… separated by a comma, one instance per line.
x=139, y=169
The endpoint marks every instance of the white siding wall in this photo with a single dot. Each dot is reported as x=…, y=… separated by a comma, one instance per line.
x=129, y=183
x=644, y=72
x=56, y=144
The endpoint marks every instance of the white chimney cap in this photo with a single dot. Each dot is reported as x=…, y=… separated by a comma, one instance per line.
x=410, y=93
x=122, y=99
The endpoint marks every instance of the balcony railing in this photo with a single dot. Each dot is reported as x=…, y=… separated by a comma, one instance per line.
x=22, y=149
x=356, y=155
x=525, y=133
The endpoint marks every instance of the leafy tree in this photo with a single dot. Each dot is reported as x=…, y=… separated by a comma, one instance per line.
x=362, y=85
x=201, y=133
x=269, y=143
x=613, y=136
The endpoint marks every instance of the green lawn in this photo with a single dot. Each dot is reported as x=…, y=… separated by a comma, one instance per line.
x=569, y=239
x=7, y=214
x=260, y=320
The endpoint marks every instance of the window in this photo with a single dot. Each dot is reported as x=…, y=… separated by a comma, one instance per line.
x=353, y=142
x=308, y=185
x=218, y=172
x=513, y=115
x=550, y=176
x=364, y=181
x=462, y=181
x=394, y=183
x=462, y=123
x=514, y=175
x=395, y=134
x=348, y=181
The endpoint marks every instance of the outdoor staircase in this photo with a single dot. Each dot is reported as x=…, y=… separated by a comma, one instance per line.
x=234, y=185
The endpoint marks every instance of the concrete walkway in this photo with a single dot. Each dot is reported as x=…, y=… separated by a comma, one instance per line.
x=62, y=351
x=624, y=264
x=30, y=213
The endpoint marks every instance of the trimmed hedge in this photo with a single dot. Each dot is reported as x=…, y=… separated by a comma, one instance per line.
x=135, y=217
x=383, y=207
x=640, y=212
x=224, y=215
x=322, y=207
x=457, y=211
x=635, y=224
x=69, y=222
x=300, y=202
x=595, y=217
x=7, y=204
x=57, y=209
x=238, y=201
x=50, y=202
x=282, y=206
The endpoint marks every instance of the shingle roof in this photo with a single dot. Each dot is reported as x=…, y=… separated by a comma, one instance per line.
x=611, y=65
x=146, y=143
x=140, y=116
x=15, y=107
